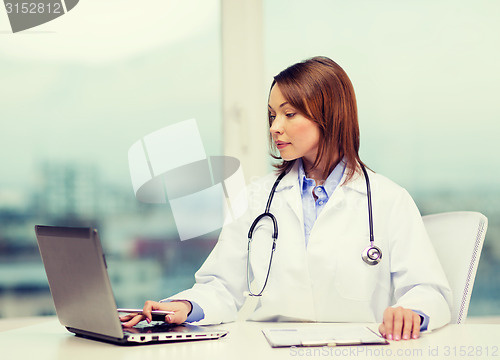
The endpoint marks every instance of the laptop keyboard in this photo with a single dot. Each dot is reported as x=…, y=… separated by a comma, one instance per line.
x=159, y=327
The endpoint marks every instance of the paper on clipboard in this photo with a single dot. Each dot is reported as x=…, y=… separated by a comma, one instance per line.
x=322, y=336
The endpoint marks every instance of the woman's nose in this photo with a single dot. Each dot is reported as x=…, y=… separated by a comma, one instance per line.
x=277, y=126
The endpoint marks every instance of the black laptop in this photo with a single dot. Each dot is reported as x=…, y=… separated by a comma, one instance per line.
x=84, y=301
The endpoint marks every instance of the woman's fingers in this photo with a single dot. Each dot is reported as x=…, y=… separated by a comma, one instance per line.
x=148, y=307
x=131, y=320
x=400, y=323
x=180, y=309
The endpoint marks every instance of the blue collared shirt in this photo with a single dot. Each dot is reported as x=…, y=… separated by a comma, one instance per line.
x=312, y=207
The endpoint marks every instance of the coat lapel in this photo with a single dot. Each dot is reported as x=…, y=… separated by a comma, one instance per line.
x=290, y=192
x=336, y=199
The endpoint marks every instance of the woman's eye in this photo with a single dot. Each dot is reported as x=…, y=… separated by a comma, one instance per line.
x=272, y=117
x=290, y=115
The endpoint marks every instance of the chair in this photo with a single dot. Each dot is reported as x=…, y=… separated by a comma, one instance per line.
x=458, y=240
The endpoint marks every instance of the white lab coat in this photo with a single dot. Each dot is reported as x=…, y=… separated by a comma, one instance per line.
x=326, y=281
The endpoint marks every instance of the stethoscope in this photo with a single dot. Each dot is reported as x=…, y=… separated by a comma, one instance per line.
x=370, y=255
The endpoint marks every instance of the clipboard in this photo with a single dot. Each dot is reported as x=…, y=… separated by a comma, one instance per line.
x=334, y=335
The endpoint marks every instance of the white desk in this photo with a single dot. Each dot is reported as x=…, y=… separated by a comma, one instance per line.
x=47, y=339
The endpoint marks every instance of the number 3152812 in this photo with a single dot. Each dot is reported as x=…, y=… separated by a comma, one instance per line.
x=34, y=8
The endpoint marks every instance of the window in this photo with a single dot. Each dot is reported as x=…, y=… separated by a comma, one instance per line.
x=426, y=80
x=75, y=95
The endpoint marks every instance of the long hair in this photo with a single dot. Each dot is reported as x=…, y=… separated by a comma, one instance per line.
x=321, y=90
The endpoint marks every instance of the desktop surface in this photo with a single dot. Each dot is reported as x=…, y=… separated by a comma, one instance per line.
x=47, y=339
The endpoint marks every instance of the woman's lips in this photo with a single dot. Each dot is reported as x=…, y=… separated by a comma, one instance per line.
x=281, y=144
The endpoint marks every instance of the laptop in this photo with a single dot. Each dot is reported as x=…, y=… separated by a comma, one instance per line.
x=84, y=301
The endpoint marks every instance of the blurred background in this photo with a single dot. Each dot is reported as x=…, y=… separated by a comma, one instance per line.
x=78, y=91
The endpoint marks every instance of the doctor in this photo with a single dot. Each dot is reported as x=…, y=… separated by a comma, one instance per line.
x=317, y=271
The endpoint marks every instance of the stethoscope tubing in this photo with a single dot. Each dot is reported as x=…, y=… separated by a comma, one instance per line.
x=369, y=197
x=274, y=236
x=370, y=255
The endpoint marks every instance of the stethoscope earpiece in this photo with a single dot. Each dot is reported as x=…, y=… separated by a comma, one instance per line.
x=372, y=255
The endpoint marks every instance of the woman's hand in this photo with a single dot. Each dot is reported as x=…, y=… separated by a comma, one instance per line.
x=400, y=323
x=181, y=309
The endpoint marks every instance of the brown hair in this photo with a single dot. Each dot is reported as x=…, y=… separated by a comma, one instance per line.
x=321, y=90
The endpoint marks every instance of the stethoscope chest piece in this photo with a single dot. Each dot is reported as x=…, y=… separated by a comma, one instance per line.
x=372, y=255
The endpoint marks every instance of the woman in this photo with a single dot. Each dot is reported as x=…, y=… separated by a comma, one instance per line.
x=317, y=271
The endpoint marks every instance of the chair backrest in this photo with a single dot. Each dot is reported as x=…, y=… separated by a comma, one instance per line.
x=458, y=239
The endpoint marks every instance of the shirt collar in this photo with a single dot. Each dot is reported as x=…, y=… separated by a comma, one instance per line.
x=331, y=182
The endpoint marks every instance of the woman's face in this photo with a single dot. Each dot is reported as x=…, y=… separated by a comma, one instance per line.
x=295, y=135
